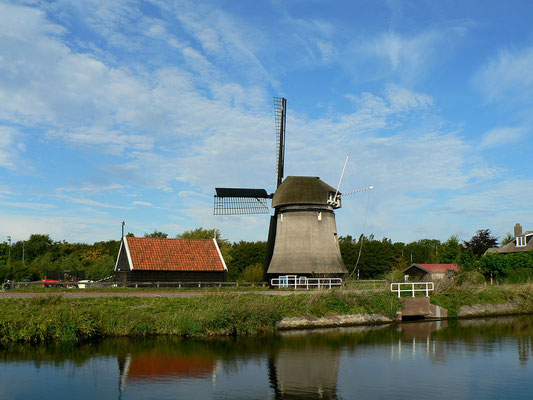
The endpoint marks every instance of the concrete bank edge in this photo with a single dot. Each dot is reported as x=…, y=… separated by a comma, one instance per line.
x=487, y=310
x=306, y=322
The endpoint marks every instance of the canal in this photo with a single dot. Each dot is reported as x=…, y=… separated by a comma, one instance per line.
x=479, y=358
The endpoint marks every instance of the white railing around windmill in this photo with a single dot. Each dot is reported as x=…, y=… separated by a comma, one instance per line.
x=303, y=282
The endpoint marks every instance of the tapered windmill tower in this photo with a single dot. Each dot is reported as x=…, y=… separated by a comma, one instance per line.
x=302, y=238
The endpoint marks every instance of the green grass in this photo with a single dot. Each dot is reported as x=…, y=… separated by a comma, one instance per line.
x=456, y=297
x=56, y=318
x=61, y=319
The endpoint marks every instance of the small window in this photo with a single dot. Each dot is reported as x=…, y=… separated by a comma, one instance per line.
x=520, y=241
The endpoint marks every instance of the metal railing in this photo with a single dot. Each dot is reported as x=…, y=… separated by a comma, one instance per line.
x=88, y=284
x=396, y=287
x=303, y=282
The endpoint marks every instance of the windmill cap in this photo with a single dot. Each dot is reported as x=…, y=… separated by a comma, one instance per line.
x=302, y=190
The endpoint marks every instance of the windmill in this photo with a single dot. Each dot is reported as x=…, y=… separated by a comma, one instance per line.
x=302, y=238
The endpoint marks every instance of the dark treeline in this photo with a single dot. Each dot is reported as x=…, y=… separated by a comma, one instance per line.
x=35, y=258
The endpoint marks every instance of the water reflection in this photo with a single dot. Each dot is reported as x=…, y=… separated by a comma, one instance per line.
x=163, y=367
x=417, y=336
x=321, y=364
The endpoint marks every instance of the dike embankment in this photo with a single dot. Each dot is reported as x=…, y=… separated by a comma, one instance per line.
x=57, y=318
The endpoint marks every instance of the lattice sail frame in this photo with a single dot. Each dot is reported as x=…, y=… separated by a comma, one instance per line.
x=280, y=117
x=239, y=201
x=240, y=206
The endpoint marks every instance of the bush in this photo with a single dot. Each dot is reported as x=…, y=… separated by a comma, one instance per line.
x=253, y=273
x=520, y=275
x=470, y=278
x=396, y=275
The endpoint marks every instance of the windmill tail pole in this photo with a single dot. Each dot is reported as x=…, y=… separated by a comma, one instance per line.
x=357, y=191
x=342, y=175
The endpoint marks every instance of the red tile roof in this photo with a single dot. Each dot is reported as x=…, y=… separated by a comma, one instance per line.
x=439, y=267
x=161, y=254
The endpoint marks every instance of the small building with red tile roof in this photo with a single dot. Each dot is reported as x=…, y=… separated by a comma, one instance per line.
x=430, y=271
x=150, y=259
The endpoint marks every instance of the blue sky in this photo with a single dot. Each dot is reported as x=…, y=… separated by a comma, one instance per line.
x=116, y=110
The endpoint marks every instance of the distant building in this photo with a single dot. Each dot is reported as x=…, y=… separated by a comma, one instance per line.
x=521, y=243
x=430, y=271
x=170, y=260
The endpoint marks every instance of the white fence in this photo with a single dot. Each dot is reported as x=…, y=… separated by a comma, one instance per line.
x=303, y=282
x=411, y=287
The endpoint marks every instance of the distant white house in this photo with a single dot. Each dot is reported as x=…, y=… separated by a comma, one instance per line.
x=521, y=243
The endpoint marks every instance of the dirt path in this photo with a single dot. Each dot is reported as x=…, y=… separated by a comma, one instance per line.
x=13, y=295
x=74, y=295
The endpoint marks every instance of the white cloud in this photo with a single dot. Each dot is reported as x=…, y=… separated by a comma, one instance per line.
x=327, y=50
x=79, y=228
x=402, y=99
x=197, y=115
x=223, y=37
x=486, y=173
x=141, y=203
x=90, y=202
x=405, y=57
x=11, y=148
x=502, y=136
x=27, y=205
x=507, y=76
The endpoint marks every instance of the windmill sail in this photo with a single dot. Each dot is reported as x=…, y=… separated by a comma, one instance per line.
x=239, y=201
x=280, y=115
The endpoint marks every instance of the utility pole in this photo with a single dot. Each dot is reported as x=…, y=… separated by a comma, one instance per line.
x=9, y=251
x=23, y=250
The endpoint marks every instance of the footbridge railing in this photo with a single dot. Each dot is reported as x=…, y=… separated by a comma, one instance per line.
x=411, y=287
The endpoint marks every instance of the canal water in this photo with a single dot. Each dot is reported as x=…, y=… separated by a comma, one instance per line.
x=470, y=359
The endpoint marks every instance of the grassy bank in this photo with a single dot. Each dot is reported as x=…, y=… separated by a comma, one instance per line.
x=55, y=318
x=457, y=296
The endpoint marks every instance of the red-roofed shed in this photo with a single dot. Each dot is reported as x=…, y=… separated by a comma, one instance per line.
x=170, y=260
x=431, y=271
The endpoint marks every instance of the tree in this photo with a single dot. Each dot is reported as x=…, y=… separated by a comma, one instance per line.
x=423, y=251
x=496, y=265
x=377, y=258
x=244, y=254
x=467, y=260
x=481, y=242
x=508, y=238
x=253, y=273
x=156, y=234
x=37, y=245
x=200, y=233
x=450, y=250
